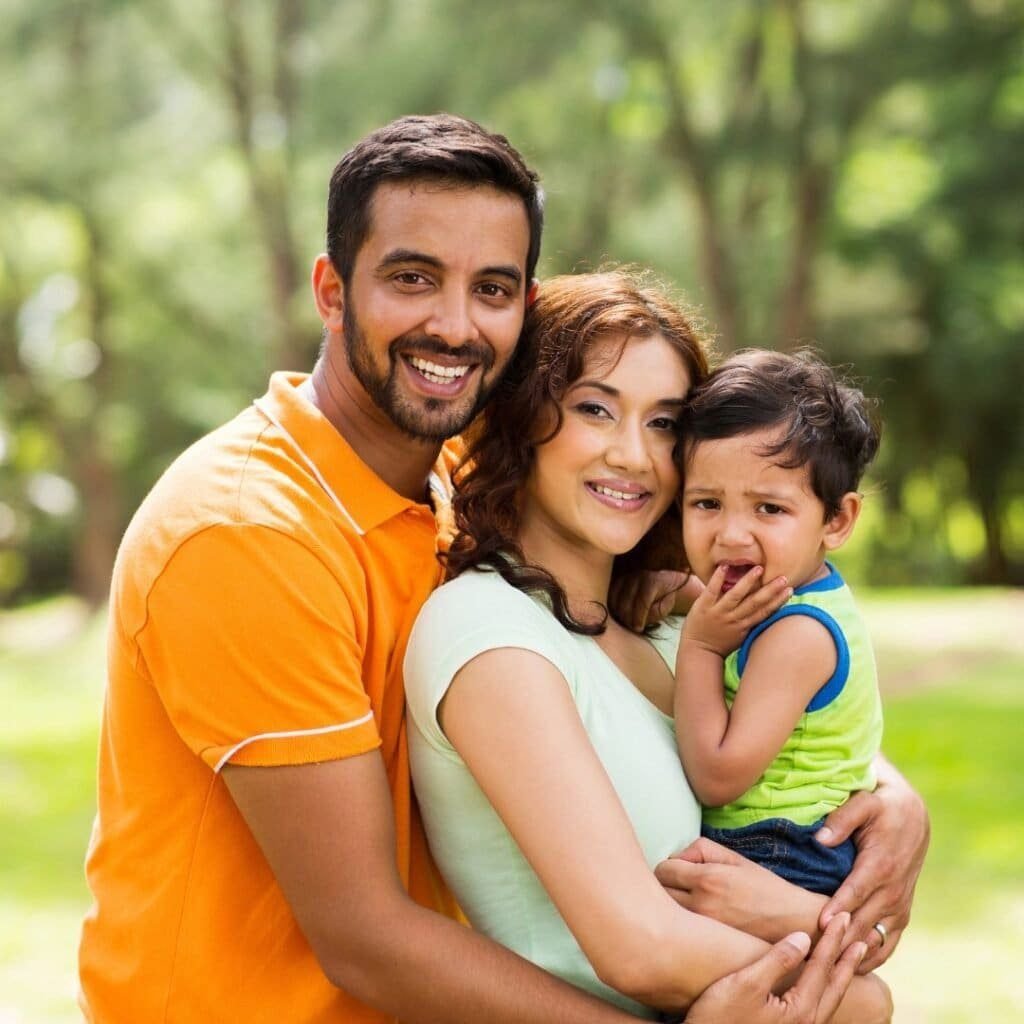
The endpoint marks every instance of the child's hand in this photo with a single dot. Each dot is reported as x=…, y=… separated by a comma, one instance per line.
x=719, y=622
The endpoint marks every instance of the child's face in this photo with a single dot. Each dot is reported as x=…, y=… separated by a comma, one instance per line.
x=741, y=509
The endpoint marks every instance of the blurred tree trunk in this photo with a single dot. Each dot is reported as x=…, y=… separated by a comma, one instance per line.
x=811, y=181
x=983, y=476
x=89, y=464
x=682, y=143
x=264, y=138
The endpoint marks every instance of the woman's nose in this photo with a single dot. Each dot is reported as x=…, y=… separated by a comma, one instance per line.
x=629, y=448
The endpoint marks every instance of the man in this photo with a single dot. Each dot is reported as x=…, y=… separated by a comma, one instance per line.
x=257, y=854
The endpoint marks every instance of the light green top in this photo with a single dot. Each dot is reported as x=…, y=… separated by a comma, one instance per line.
x=830, y=753
x=491, y=879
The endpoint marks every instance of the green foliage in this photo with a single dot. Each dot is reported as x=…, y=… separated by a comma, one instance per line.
x=846, y=173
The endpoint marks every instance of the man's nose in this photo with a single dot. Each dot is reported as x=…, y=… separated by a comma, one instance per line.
x=451, y=318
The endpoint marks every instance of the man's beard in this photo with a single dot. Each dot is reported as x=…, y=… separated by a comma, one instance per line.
x=421, y=418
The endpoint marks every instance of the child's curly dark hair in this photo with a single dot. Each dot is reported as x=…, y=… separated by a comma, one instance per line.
x=825, y=422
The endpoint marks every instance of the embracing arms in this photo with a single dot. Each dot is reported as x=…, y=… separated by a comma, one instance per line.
x=527, y=748
x=890, y=827
x=327, y=832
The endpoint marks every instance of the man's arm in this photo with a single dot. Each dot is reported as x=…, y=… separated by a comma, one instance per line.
x=891, y=829
x=327, y=832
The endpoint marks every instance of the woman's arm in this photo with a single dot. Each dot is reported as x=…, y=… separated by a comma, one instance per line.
x=511, y=717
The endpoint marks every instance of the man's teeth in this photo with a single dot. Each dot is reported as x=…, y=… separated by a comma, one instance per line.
x=612, y=493
x=438, y=374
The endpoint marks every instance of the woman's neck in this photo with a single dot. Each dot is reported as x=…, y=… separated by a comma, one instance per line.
x=583, y=573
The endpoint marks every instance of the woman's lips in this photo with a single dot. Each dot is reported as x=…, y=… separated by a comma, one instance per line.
x=624, y=497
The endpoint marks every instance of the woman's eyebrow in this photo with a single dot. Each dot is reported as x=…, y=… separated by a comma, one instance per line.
x=600, y=385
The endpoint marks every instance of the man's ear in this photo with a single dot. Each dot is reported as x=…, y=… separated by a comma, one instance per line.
x=840, y=526
x=328, y=293
x=531, y=292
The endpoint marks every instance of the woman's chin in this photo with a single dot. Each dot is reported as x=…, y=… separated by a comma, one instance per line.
x=619, y=544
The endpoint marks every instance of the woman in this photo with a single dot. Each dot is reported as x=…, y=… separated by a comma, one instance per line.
x=542, y=748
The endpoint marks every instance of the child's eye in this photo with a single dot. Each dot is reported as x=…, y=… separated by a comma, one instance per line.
x=770, y=509
x=706, y=504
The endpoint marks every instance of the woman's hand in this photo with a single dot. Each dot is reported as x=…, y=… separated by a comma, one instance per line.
x=748, y=995
x=713, y=881
x=891, y=829
x=720, y=620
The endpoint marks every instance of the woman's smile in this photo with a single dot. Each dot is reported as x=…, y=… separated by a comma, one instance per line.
x=619, y=494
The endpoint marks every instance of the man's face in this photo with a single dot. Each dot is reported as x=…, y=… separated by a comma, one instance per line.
x=435, y=303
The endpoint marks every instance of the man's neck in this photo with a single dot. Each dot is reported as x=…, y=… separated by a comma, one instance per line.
x=403, y=463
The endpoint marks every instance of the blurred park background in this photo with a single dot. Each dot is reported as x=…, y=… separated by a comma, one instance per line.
x=828, y=171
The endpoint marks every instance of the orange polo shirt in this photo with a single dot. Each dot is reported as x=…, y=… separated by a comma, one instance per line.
x=261, y=603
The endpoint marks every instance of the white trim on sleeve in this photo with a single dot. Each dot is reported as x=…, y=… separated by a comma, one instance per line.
x=288, y=734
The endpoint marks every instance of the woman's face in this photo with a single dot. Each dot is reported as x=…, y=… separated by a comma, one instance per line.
x=608, y=475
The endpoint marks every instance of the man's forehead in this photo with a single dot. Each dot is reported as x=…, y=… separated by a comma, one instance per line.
x=424, y=215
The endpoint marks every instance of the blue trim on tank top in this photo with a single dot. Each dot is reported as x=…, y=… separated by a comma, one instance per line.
x=834, y=685
x=833, y=581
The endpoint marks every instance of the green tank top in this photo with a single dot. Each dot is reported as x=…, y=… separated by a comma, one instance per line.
x=830, y=753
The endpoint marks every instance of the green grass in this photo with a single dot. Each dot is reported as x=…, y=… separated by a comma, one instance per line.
x=953, y=667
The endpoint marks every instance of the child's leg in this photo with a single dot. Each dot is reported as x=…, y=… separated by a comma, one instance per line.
x=790, y=851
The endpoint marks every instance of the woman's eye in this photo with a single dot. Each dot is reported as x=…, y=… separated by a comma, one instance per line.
x=592, y=409
x=665, y=423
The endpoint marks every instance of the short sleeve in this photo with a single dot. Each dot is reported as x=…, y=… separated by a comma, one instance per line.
x=665, y=637
x=255, y=650
x=475, y=613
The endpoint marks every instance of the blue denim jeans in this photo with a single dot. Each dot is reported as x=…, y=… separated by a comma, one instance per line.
x=791, y=851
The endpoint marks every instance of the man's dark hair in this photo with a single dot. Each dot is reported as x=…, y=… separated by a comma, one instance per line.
x=443, y=149
x=825, y=423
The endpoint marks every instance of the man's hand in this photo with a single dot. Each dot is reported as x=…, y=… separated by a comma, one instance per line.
x=890, y=827
x=641, y=599
x=748, y=994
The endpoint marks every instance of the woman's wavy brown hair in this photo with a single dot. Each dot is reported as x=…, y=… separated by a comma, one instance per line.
x=570, y=314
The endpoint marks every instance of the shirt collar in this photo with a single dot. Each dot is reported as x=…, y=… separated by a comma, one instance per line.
x=363, y=498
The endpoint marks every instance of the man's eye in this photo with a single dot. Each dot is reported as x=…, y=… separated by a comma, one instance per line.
x=410, y=277
x=493, y=290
